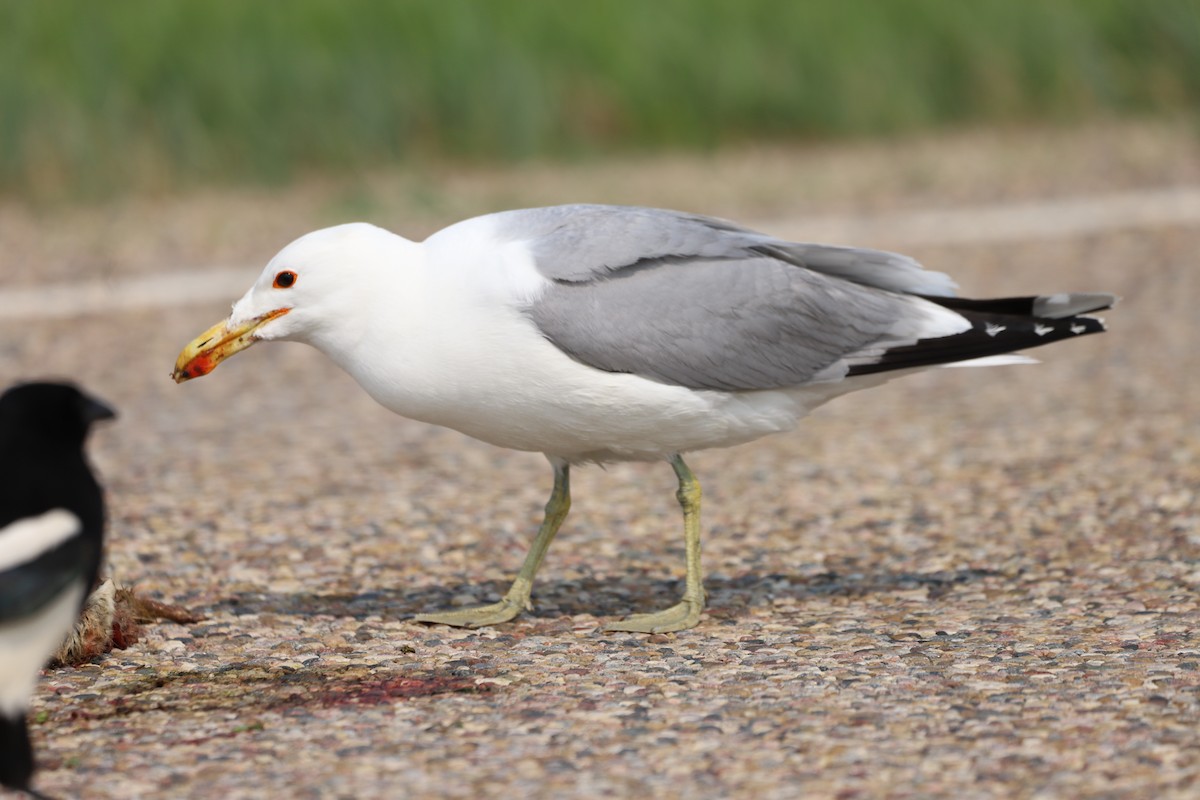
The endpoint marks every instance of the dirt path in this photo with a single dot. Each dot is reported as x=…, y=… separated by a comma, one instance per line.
x=965, y=584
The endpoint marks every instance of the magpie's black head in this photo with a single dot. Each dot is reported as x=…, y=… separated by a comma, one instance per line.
x=49, y=412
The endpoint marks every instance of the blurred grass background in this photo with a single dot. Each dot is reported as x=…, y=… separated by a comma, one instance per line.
x=137, y=95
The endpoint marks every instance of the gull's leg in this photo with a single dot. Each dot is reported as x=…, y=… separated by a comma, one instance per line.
x=686, y=613
x=516, y=599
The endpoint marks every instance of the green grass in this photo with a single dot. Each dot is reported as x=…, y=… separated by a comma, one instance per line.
x=97, y=97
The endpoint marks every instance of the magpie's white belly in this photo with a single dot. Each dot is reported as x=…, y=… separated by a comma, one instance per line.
x=27, y=644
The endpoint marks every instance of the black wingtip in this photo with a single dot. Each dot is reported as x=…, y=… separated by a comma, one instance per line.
x=998, y=326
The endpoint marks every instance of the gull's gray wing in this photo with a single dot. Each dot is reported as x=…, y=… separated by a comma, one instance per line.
x=699, y=302
x=575, y=243
x=702, y=303
x=726, y=324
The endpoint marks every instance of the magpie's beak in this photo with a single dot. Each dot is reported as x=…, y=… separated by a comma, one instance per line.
x=95, y=410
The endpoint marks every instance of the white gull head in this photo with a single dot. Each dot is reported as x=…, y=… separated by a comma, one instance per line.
x=318, y=285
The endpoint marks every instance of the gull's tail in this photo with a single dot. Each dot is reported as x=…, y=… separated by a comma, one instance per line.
x=998, y=327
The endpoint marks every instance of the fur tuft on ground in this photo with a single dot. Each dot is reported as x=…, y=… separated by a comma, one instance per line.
x=112, y=620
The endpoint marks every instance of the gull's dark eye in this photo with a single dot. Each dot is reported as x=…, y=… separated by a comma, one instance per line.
x=285, y=279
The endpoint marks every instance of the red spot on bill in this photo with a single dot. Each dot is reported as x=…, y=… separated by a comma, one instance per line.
x=200, y=365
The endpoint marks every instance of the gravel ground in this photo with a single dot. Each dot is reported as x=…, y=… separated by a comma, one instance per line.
x=965, y=584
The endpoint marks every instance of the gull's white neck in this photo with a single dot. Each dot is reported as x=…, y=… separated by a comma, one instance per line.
x=440, y=329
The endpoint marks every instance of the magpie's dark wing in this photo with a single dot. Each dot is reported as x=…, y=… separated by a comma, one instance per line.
x=40, y=557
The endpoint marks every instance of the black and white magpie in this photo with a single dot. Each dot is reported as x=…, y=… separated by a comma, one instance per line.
x=51, y=531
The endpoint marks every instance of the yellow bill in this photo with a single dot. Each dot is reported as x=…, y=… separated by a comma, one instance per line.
x=202, y=354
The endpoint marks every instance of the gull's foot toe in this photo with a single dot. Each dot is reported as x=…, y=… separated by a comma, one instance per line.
x=679, y=617
x=476, y=616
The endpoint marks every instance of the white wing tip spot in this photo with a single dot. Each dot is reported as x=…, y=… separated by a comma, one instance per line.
x=1042, y=330
x=1077, y=329
x=994, y=328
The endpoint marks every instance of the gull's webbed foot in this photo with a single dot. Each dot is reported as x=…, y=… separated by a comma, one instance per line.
x=476, y=616
x=516, y=599
x=679, y=617
x=686, y=613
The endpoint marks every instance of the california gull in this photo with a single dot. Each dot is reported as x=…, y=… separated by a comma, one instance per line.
x=595, y=333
